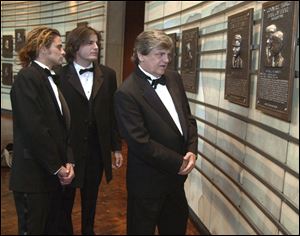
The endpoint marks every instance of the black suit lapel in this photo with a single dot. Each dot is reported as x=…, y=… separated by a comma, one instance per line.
x=49, y=87
x=98, y=80
x=154, y=101
x=74, y=80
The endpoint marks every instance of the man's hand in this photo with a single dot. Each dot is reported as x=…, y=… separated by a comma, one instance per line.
x=66, y=174
x=188, y=163
x=118, y=160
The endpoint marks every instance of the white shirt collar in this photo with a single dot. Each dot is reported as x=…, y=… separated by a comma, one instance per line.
x=148, y=74
x=79, y=67
x=44, y=66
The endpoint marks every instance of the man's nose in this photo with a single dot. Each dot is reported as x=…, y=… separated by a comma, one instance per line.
x=166, y=58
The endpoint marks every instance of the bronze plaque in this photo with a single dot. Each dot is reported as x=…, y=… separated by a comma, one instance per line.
x=84, y=23
x=189, y=55
x=6, y=74
x=67, y=35
x=19, y=39
x=238, y=62
x=173, y=57
x=276, y=72
x=7, y=46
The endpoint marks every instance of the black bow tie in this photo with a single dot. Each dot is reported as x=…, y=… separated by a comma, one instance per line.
x=155, y=82
x=81, y=71
x=53, y=76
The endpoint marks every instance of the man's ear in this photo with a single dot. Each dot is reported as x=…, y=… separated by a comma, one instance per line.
x=42, y=50
x=141, y=57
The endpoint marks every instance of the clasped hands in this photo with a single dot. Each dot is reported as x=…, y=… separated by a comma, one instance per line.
x=118, y=160
x=188, y=164
x=66, y=174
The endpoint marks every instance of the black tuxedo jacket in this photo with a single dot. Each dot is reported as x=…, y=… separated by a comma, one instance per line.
x=40, y=133
x=155, y=145
x=104, y=86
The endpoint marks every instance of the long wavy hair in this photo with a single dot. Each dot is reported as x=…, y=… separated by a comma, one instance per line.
x=37, y=38
x=76, y=38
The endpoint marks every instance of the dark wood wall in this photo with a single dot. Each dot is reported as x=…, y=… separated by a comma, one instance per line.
x=134, y=24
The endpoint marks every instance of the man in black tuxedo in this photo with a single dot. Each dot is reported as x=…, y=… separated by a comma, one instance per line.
x=154, y=117
x=88, y=88
x=43, y=160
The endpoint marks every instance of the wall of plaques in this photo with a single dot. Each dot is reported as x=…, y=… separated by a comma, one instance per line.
x=18, y=19
x=246, y=179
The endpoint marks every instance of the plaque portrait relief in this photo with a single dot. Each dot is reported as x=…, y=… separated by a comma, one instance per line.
x=19, y=39
x=189, y=54
x=274, y=44
x=238, y=57
x=6, y=74
x=276, y=70
x=7, y=46
x=173, y=57
x=237, y=61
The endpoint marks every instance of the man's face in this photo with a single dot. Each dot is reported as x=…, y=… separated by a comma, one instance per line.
x=88, y=52
x=236, y=50
x=55, y=54
x=155, y=62
x=276, y=45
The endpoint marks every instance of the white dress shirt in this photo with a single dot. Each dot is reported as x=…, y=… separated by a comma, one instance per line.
x=86, y=79
x=53, y=85
x=164, y=95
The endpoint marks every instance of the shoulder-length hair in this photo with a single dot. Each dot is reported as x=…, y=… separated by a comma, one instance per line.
x=37, y=38
x=77, y=37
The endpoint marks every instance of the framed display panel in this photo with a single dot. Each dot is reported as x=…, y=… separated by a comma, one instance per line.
x=6, y=74
x=84, y=23
x=173, y=58
x=19, y=39
x=276, y=73
x=238, y=62
x=189, y=55
x=7, y=46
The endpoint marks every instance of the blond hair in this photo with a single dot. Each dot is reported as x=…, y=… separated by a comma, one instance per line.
x=37, y=38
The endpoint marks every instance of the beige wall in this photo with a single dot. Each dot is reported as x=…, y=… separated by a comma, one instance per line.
x=248, y=162
x=106, y=17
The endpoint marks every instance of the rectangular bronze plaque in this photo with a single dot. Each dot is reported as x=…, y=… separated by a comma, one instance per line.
x=67, y=35
x=7, y=46
x=84, y=23
x=19, y=39
x=238, y=62
x=173, y=58
x=276, y=72
x=6, y=74
x=189, y=55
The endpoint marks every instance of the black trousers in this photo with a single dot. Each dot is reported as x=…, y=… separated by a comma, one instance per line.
x=89, y=194
x=169, y=213
x=38, y=213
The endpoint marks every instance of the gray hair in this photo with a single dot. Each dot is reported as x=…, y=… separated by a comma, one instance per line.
x=149, y=40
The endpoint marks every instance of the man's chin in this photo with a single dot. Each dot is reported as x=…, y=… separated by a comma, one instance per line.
x=93, y=58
